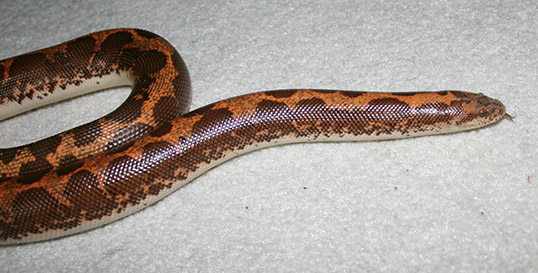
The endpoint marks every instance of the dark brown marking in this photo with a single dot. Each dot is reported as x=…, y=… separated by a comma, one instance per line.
x=409, y=94
x=19, y=80
x=75, y=62
x=87, y=134
x=115, y=42
x=49, y=145
x=405, y=94
x=143, y=88
x=143, y=62
x=162, y=109
x=146, y=34
x=84, y=193
x=69, y=164
x=460, y=95
x=162, y=130
x=431, y=113
x=155, y=189
x=123, y=138
x=32, y=202
x=160, y=151
x=281, y=93
x=30, y=214
x=388, y=110
x=33, y=171
x=8, y=155
x=2, y=77
x=211, y=118
x=279, y=114
x=352, y=94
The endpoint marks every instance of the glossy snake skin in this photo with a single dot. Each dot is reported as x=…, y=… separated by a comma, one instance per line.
x=149, y=147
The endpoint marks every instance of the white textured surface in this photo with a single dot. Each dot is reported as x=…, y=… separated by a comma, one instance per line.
x=447, y=203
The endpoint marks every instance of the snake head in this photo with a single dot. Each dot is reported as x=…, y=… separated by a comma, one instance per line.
x=480, y=110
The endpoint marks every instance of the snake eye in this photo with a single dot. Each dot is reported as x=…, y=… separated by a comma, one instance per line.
x=483, y=112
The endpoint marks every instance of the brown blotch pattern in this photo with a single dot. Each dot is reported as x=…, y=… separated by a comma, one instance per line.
x=7, y=156
x=86, y=137
x=353, y=94
x=282, y=93
x=33, y=171
x=148, y=58
x=162, y=130
x=68, y=165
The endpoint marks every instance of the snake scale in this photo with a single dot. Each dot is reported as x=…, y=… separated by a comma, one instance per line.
x=151, y=145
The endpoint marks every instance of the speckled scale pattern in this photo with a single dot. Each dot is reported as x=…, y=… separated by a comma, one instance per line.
x=130, y=176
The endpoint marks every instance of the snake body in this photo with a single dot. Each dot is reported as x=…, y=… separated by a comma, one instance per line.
x=150, y=146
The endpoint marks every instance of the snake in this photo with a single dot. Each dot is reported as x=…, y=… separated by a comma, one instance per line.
x=152, y=145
